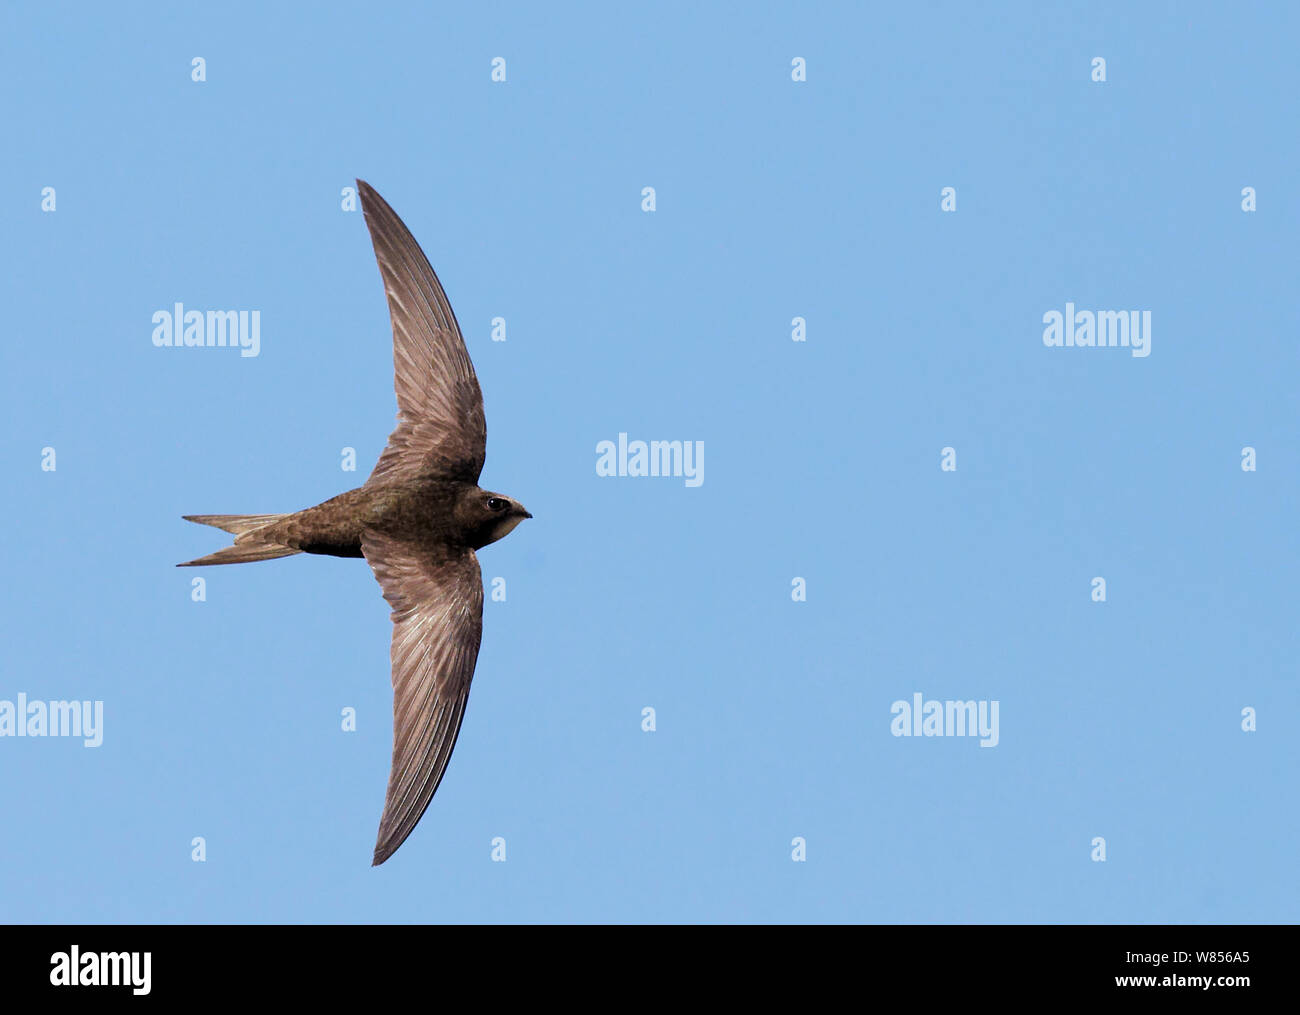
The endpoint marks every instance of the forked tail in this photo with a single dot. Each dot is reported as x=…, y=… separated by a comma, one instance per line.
x=248, y=546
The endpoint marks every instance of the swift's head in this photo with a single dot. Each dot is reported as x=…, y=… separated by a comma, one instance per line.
x=485, y=516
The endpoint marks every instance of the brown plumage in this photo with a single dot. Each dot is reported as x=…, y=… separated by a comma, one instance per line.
x=417, y=521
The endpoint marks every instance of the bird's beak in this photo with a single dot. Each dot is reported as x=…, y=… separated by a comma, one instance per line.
x=527, y=513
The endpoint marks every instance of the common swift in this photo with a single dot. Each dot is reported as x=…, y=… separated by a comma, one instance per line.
x=417, y=521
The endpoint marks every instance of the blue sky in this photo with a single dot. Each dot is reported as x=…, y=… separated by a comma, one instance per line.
x=775, y=199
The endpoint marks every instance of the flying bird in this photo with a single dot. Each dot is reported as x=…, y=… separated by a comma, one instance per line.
x=417, y=521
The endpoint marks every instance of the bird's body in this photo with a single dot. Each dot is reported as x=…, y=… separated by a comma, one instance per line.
x=417, y=521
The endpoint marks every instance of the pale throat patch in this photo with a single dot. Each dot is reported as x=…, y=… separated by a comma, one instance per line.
x=506, y=526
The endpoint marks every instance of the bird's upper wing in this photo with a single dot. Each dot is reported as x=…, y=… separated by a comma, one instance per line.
x=437, y=622
x=440, y=426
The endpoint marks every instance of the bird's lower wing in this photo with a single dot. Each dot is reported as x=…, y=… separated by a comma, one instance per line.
x=437, y=623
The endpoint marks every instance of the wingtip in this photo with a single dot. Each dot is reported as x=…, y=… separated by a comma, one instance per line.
x=383, y=850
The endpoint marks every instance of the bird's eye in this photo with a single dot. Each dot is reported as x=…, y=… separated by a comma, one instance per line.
x=496, y=504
